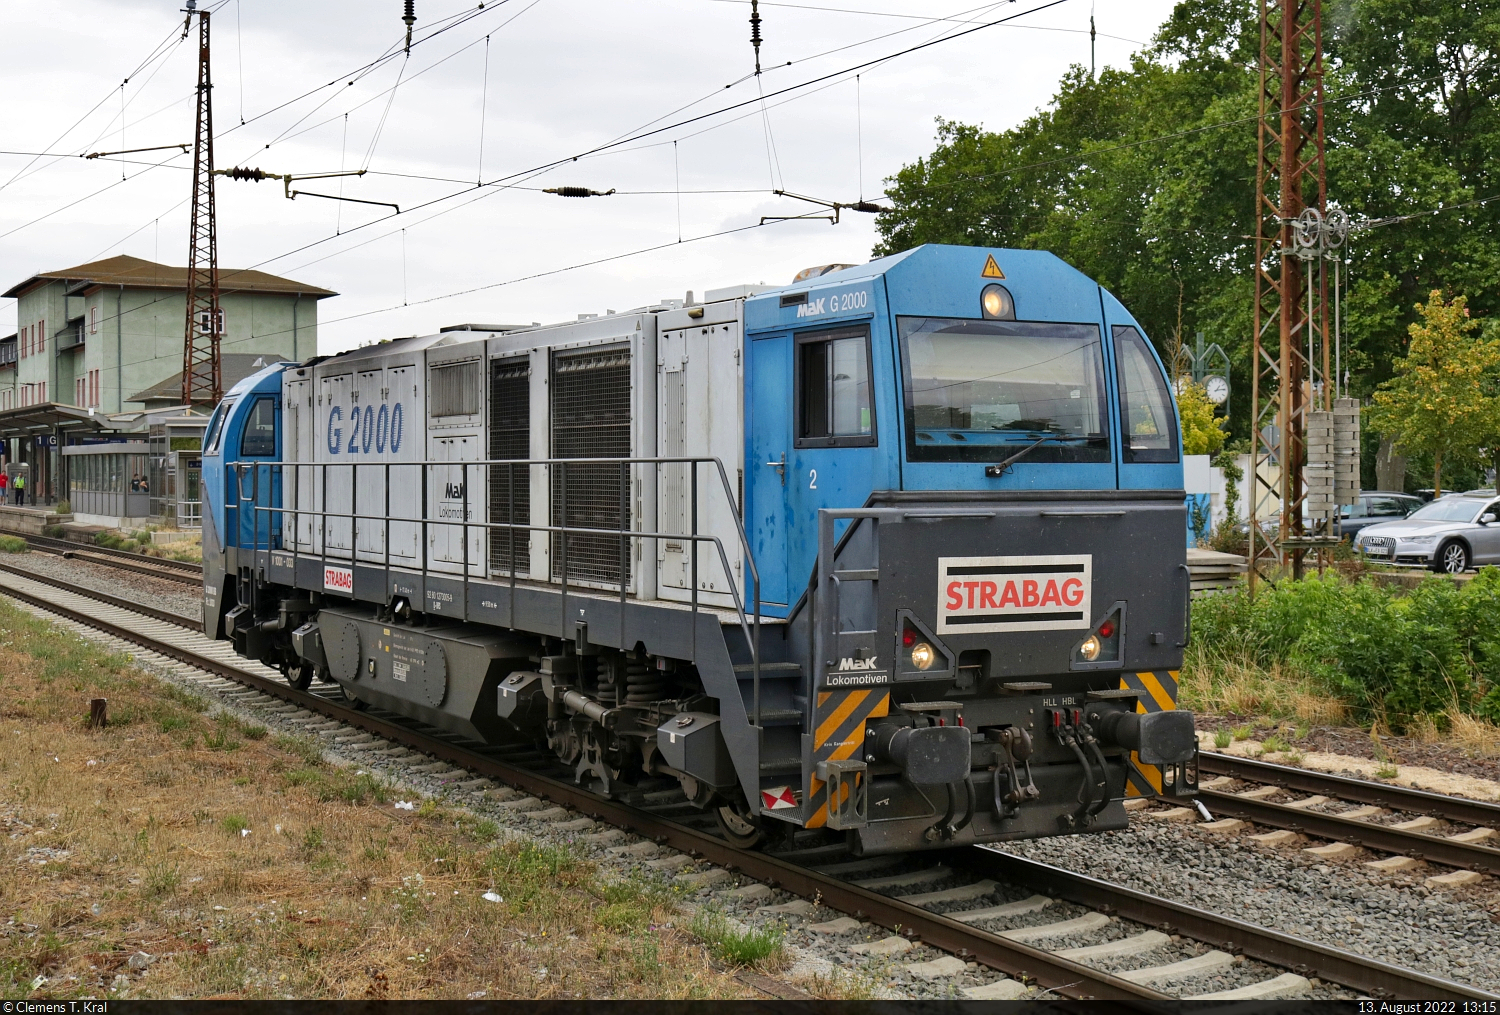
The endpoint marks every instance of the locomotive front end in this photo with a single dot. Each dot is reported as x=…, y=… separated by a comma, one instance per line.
x=976, y=697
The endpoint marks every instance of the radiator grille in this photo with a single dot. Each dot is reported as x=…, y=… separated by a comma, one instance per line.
x=453, y=389
x=510, y=440
x=591, y=419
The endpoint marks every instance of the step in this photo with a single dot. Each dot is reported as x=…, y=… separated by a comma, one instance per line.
x=778, y=671
x=774, y=716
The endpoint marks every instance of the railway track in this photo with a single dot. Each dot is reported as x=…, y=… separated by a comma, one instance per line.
x=944, y=899
x=1410, y=824
x=180, y=571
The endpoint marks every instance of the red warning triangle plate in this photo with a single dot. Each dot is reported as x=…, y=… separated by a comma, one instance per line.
x=991, y=269
x=778, y=798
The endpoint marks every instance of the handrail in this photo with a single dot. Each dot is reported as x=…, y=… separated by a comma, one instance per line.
x=750, y=625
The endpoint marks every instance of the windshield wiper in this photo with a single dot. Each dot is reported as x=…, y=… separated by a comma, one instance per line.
x=996, y=471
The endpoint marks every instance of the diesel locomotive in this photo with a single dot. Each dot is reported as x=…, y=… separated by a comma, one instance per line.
x=895, y=552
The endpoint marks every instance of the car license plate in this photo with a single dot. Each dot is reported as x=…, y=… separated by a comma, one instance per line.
x=1378, y=551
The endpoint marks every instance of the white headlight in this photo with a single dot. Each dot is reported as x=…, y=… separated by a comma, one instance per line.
x=1420, y=540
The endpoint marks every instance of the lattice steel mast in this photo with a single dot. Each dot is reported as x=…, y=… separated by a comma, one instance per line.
x=202, y=380
x=1291, y=351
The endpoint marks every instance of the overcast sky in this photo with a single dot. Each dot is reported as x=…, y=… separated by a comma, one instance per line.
x=538, y=81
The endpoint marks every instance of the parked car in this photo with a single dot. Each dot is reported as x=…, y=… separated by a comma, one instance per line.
x=1375, y=506
x=1450, y=534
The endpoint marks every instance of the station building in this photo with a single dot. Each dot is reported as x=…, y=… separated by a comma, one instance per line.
x=96, y=359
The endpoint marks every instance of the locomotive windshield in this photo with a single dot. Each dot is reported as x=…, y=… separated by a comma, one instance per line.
x=974, y=385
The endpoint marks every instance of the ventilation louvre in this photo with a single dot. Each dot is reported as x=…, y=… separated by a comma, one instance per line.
x=510, y=486
x=591, y=419
x=453, y=389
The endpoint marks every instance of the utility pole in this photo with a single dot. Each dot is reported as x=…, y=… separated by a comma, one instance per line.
x=202, y=379
x=1290, y=361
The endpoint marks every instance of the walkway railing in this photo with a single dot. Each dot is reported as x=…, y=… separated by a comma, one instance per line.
x=262, y=486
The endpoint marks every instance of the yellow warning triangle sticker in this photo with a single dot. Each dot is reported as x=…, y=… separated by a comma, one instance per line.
x=991, y=269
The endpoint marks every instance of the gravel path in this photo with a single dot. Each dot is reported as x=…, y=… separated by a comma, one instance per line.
x=1393, y=917
x=161, y=593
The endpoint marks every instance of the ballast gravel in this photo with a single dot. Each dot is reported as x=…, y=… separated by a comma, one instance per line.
x=1393, y=917
x=161, y=593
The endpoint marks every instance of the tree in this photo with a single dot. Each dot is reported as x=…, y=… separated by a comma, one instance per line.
x=1202, y=434
x=1144, y=178
x=1440, y=400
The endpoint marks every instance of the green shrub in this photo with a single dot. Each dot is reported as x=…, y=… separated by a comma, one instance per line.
x=1433, y=650
x=64, y=507
x=13, y=544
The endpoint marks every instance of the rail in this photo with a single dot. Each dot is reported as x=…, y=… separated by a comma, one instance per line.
x=275, y=515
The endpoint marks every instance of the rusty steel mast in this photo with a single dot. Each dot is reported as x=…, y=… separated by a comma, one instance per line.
x=202, y=380
x=1291, y=369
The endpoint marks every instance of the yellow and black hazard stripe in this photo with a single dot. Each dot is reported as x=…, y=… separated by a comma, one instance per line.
x=1156, y=691
x=838, y=733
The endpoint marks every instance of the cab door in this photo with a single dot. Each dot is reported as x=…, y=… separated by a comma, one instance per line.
x=813, y=438
x=1150, y=435
x=259, y=479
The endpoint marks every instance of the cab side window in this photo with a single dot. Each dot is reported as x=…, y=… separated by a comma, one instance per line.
x=259, y=440
x=834, y=407
x=1148, y=427
x=216, y=428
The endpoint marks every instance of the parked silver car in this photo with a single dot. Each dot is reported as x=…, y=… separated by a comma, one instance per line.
x=1451, y=535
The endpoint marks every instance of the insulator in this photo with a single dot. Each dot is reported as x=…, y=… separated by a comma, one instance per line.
x=578, y=192
x=410, y=17
x=869, y=206
x=643, y=684
x=248, y=174
x=755, y=31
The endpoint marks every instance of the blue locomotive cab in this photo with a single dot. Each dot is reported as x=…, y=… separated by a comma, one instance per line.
x=241, y=445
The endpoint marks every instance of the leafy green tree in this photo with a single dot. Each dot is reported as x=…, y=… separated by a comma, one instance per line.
x=1144, y=179
x=1440, y=401
x=1202, y=433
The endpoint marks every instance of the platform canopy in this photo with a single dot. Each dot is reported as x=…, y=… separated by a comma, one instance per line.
x=51, y=418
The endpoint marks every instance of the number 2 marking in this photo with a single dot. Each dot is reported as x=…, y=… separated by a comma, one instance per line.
x=812, y=481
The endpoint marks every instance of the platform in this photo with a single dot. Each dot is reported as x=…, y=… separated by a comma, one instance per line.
x=30, y=520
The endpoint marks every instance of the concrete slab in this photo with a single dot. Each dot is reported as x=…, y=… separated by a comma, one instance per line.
x=504, y=793
x=550, y=814
x=1217, y=782
x=524, y=804
x=575, y=825
x=797, y=907
x=1285, y=985
x=643, y=848
x=703, y=879
x=920, y=877
x=1135, y=803
x=961, y=894
x=1474, y=835
x=1455, y=880
x=670, y=863
x=1308, y=801
x=843, y=925
x=892, y=945
x=750, y=893
x=1000, y=990
x=1140, y=944
x=1260, y=792
x=608, y=837
x=1280, y=837
x=1199, y=965
x=1174, y=814
x=1063, y=928
x=1393, y=863
x=1333, y=851
x=1364, y=813
x=938, y=969
x=1032, y=905
x=1223, y=826
x=1420, y=824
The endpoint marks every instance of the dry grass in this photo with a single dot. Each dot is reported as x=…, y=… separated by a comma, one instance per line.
x=1476, y=736
x=1230, y=685
x=247, y=868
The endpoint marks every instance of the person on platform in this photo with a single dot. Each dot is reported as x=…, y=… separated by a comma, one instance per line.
x=20, y=486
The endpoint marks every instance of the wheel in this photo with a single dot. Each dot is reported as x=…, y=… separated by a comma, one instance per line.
x=738, y=826
x=300, y=677
x=1452, y=558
